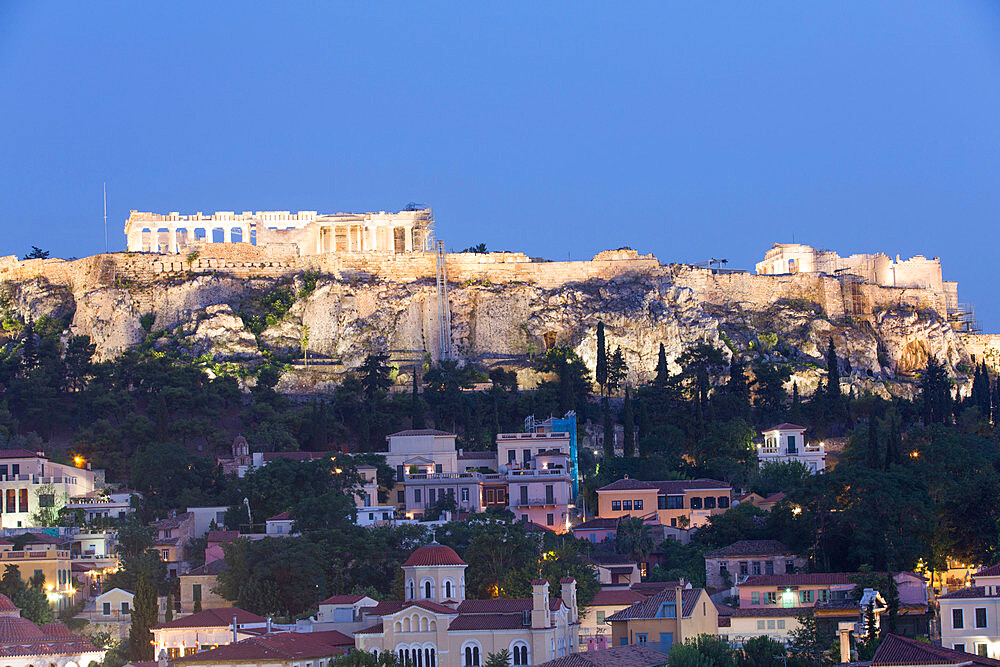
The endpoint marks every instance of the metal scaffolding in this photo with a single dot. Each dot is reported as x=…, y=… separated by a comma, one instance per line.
x=444, y=308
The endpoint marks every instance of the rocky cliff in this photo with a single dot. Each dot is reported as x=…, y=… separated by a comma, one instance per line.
x=502, y=312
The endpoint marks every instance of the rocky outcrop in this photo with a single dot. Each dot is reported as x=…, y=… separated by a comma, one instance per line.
x=348, y=314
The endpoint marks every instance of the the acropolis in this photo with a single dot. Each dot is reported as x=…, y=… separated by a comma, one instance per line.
x=306, y=232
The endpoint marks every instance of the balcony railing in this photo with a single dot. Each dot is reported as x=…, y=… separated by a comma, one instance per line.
x=555, y=435
x=536, y=502
x=21, y=555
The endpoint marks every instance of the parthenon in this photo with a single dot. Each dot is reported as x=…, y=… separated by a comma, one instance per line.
x=308, y=232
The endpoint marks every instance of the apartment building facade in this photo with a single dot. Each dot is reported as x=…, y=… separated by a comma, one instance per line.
x=677, y=503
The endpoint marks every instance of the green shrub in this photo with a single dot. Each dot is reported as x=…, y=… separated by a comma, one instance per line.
x=146, y=321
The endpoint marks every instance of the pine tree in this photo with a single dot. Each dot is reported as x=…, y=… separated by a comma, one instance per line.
x=617, y=369
x=417, y=420
x=601, y=371
x=609, y=431
x=144, y=616
x=628, y=421
x=662, y=369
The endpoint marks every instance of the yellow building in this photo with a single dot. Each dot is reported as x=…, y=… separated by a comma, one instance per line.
x=656, y=623
x=679, y=503
x=197, y=588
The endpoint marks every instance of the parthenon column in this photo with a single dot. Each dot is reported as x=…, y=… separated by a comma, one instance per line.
x=227, y=234
x=408, y=239
x=172, y=243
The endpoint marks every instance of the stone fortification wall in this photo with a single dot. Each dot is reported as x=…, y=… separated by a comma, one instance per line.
x=983, y=347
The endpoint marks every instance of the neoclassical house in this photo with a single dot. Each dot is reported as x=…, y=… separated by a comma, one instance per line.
x=24, y=644
x=435, y=626
x=305, y=232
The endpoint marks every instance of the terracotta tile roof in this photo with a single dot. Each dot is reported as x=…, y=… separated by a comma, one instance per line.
x=775, y=497
x=371, y=630
x=210, y=568
x=278, y=646
x=784, y=427
x=628, y=484
x=221, y=536
x=20, y=454
x=433, y=554
x=42, y=538
x=968, y=592
x=387, y=607
x=814, y=579
x=67, y=646
x=421, y=431
x=17, y=629
x=497, y=606
x=487, y=622
x=606, y=558
x=284, y=516
x=214, y=618
x=598, y=523
x=896, y=650
x=6, y=604
x=678, y=487
x=171, y=522
x=648, y=588
x=649, y=607
x=620, y=597
x=618, y=656
x=56, y=629
x=752, y=548
x=342, y=599
x=991, y=571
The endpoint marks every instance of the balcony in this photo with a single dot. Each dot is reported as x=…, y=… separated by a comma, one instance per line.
x=50, y=554
x=530, y=472
x=556, y=435
x=464, y=476
x=537, y=502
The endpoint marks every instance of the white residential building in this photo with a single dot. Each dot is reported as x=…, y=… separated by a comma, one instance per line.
x=786, y=443
x=970, y=617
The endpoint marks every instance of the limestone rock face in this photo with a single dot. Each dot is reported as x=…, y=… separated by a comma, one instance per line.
x=508, y=323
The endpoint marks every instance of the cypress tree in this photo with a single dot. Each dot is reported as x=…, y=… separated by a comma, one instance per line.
x=628, y=421
x=144, y=616
x=416, y=405
x=609, y=431
x=832, y=372
x=601, y=371
x=795, y=413
x=662, y=369
x=894, y=445
x=29, y=350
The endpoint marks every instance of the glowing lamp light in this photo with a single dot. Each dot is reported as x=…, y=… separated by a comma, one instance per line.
x=796, y=510
x=79, y=461
x=914, y=454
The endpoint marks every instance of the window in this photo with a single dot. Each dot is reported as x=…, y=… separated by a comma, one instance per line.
x=789, y=566
x=781, y=625
x=960, y=647
x=616, y=506
x=11, y=501
x=520, y=654
x=643, y=569
x=427, y=589
x=173, y=652
x=524, y=495
x=755, y=597
x=447, y=590
x=600, y=618
x=550, y=520
x=957, y=620
x=755, y=566
x=431, y=496
x=673, y=522
x=641, y=638
x=770, y=624
x=769, y=567
x=416, y=495
x=696, y=503
x=723, y=501
x=661, y=502
x=675, y=502
x=710, y=503
x=981, y=650
x=125, y=609
x=637, y=504
x=627, y=505
x=471, y=656
x=806, y=597
x=791, y=444
x=399, y=473
x=196, y=593
x=465, y=495
x=667, y=610
x=550, y=496
x=106, y=609
x=166, y=554
x=981, y=618
x=723, y=569
x=823, y=595
x=744, y=568
x=760, y=625
x=438, y=467
x=46, y=499
x=772, y=597
x=3, y=470
x=15, y=469
x=511, y=456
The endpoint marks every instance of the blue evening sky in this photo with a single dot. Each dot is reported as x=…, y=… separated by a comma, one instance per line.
x=690, y=130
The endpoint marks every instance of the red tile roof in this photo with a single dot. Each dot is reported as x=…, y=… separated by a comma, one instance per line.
x=766, y=612
x=342, y=599
x=6, y=604
x=618, y=656
x=371, y=630
x=628, y=484
x=497, y=606
x=220, y=536
x=991, y=571
x=56, y=629
x=17, y=629
x=895, y=650
x=784, y=427
x=214, y=618
x=421, y=431
x=752, y=548
x=597, y=524
x=487, y=622
x=387, y=607
x=433, y=554
x=670, y=487
x=649, y=607
x=648, y=588
x=211, y=568
x=284, y=516
x=20, y=454
x=619, y=597
x=968, y=592
x=279, y=646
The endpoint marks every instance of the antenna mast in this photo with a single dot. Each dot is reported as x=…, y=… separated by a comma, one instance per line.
x=105, y=216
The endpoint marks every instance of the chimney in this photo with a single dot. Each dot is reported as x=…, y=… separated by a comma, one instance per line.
x=268, y=625
x=569, y=597
x=539, y=604
x=235, y=626
x=679, y=601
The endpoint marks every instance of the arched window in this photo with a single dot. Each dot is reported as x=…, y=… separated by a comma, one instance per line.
x=409, y=586
x=519, y=651
x=447, y=589
x=427, y=589
x=471, y=655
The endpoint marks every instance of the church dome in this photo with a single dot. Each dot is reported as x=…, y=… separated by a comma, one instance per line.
x=433, y=554
x=8, y=608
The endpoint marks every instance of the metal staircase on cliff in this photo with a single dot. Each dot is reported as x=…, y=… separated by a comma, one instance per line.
x=444, y=308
